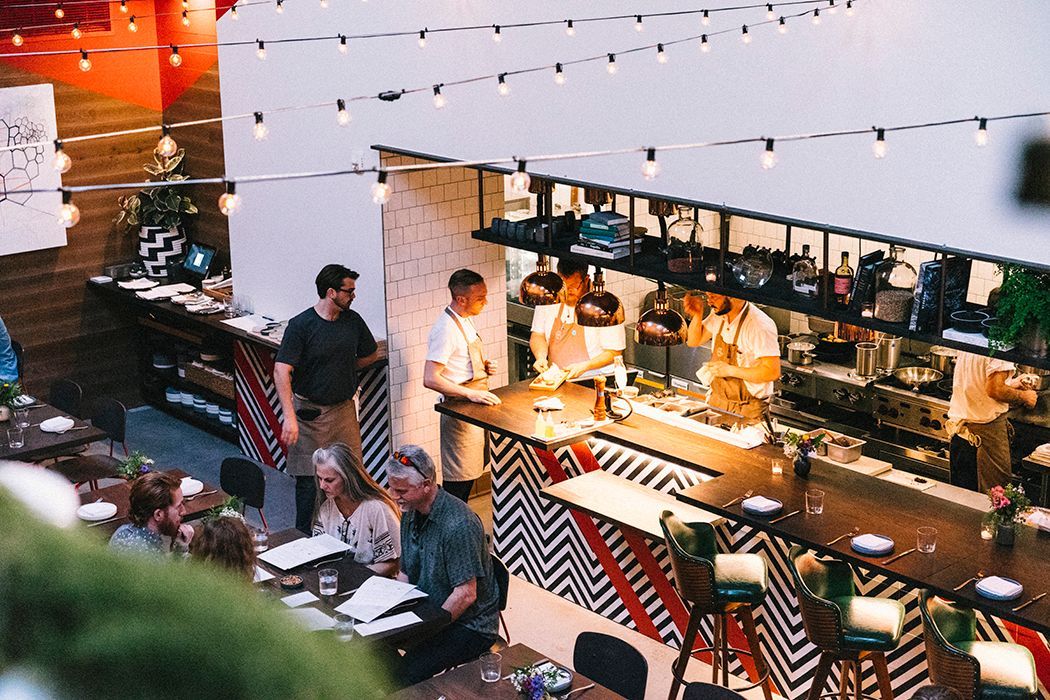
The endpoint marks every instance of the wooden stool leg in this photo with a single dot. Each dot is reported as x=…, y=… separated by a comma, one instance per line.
x=716, y=642
x=751, y=632
x=725, y=650
x=691, y=630
x=844, y=681
x=882, y=672
x=858, y=675
x=820, y=676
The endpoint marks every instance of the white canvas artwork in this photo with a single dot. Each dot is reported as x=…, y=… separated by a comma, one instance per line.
x=28, y=220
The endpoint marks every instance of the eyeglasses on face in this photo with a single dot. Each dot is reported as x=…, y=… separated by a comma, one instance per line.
x=352, y=291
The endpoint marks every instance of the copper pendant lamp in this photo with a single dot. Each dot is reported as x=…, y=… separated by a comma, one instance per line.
x=541, y=287
x=661, y=325
x=599, y=308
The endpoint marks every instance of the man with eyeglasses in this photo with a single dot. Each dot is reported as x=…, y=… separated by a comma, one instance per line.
x=315, y=374
x=443, y=553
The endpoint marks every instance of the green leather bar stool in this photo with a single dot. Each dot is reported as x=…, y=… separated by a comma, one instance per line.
x=719, y=585
x=976, y=670
x=846, y=627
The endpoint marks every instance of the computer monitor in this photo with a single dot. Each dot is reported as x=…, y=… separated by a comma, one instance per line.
x=198, y=260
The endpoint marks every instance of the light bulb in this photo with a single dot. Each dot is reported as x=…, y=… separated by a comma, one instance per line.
x=769, y=156
x=381, y=190
x=650, y=168
x=342, y=115
x=496, y=35
x=175, y=59
x=744, y=35
x=638, y=26
x=559, y=75
x=260, y=50
x=661, y=55
x=502, y=87
x=344, y=47
x=17, y=39
x=229, y=201
x=233, y=13
x=849, y=8
x=185, y=19
x=166, y=147
x=59, y=12
x=324, y=4
x=520, y=180
x=439, y=99
x=76, y=33
x=132, y=27
x=69, y=215
x=879, y=147
x=259, y=131
x=569, y=29
x=832, y=7
x=816, y=15
x=705, y=19
x=704, y=46
x=124, y=6
x=422, y=38
x=770, y=14
x=85, y=62
x=280, y=7
x=611, y=67
x=62, y=162
x=185, y=4
x=782, y=26
x=981, y=136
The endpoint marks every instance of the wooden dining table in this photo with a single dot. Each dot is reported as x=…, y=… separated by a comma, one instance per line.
x=465, y=681
x=38, y=444
x=119, y=494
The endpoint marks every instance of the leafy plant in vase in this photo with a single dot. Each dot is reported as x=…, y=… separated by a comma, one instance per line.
x=1010, y=504
x=9, y=391
x=159, y=213
x=800, y=446
x=1023, y=310
x=134, y=465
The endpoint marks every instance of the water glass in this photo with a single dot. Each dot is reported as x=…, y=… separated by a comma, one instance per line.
x=233, y=307
x=777, y=466
x=21, y=417
x=814, y=501
x=926, y=539
x=344, y=627
x=328, y=581
x=260, y=540
x=15, y=438
x=987, y=529
x=490, y=667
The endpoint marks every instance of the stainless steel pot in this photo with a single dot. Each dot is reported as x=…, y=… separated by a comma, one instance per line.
x=866, y=359
x=889, y=354
x=800, y=353
x=941, y=358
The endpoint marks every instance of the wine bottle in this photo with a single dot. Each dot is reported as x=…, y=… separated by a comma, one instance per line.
x=842, y=282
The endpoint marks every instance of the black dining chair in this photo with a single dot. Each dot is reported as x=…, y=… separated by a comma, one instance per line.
x=246, y=479
x=20, y=360
x=111, y=417
x=502, y=578
x=67, y=396
x=611, y=662
x=707, y=691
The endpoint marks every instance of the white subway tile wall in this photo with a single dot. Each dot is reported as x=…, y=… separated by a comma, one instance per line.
x=427, y=226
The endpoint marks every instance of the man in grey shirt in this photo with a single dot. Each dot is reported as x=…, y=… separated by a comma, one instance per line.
x=443, y=553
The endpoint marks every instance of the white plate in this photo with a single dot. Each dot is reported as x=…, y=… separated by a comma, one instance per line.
x=97, y=511
x=58, y=424
x=191, y=486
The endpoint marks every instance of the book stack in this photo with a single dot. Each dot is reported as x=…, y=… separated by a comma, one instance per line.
x=606, y=234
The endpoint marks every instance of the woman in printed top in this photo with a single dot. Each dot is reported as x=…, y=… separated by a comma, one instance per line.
x=352, y=507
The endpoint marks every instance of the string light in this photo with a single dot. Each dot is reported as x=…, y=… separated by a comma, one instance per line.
x=381, y=190
x=782, y=26
x=175, y=59
x=259, y=131
x=229, y=201
x=76, y=33
x=638, y=26
x=769, y=156
x=422, y=38
x=68, y=214
x=705, y=47
x=324, y=4
x=185, y=19
x=611, y=67
x=770, y=14
x=569, y=29
x=166, y=146
x=661, y=55
x=124, y=6
x=185, y=4
x=344, y=47
x=62, y=162
x=342, y=115
x=981, y=137
x=496, y=35
x=59, y=12
x=280, y=7
x=849, y=8
x=745, y=37
x=233, y=13
x=705, y=19
x=832, y=7
x=879, y=147
x=132, y=27
x=816, y=15
x=17, y=39
x=85, y=62
x=559, y=75
x=502, y=88
x=260, y=49
x=439, y=99
x=520, y=180
x=650, y=168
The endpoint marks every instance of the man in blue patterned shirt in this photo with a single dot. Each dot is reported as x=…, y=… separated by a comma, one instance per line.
x=156, y=512
x=8, y=360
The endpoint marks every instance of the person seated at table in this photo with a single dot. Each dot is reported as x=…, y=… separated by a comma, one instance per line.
x=156, y=512
x=226, y=541
x=352, y=507
x=443, y=553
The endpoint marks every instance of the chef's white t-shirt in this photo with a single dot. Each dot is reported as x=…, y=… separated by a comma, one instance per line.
x=447, y=346
x=970, y=399
x=597, y=339
x=758, y=338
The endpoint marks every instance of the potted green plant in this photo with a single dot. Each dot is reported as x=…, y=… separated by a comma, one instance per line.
x=134, y=465
x=9, y=391
x=1023, y=310
x=159, y=213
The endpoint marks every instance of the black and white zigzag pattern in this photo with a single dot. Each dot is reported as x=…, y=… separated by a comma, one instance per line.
x=158, y=246
x=540, y=542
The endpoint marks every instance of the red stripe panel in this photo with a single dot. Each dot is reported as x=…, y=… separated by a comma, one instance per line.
x=257, y=395
x=1032, y=641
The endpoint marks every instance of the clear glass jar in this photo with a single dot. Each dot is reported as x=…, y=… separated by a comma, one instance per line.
x=754, y=267
x=894, y=288
x=805, y=277
x=685, y=249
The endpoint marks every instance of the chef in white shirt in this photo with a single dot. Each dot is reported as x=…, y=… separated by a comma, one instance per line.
x=558, y=339
x=981, y=433
x=456, y=368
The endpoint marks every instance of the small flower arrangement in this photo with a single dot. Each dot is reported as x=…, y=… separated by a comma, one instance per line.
x=532, y=682
x=135, y=465
x=1009, y=504
x=230, y=508
x=9, y=391
x=801, y=443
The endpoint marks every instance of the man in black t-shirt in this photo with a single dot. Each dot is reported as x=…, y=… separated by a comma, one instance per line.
x=316, y=378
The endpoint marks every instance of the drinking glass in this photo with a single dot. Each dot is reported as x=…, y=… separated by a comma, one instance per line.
x=777, y=466
x=490, y=667
x=344, y=627
x=926, y=541
x=260, y=540
x=15, y=438
x=328, y=581
x=711, y=274
x=233, y=307
x=21, y=417
x=814, y=501
x=987, y=529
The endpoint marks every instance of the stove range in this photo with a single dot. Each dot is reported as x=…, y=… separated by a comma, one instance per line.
x=828, y=383
x=924, y=412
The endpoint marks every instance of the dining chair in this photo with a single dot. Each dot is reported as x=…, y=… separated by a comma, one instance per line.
x=111, y=417
x=611, y=662
x=20, y=355
x=87, y=469
x=246, y=479
x=67, y=396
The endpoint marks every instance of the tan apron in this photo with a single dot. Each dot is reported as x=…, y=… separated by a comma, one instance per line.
x=567, y=344
x=730, y=393
x=464, y=446
x=336, y=423
x=992, y=442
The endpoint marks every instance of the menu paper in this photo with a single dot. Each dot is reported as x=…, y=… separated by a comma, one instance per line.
x=312, y=619
x=298, y=552
x=387, y=623
x=261, y=575
x=297, y=599
x=376, y=596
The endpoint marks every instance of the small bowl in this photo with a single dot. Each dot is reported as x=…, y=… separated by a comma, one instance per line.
x=629, y=392
x=966, y=321
x=987, y=325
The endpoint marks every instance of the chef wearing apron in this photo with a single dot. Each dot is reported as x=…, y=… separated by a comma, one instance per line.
x=456, y=368
x=559, y=340
x=745, y=354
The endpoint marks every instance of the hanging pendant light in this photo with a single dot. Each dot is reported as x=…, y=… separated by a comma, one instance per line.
x=661, y=325
x=599, y=308
x=541, y=287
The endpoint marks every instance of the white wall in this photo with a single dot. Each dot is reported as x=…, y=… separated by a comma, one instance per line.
x=895, y=61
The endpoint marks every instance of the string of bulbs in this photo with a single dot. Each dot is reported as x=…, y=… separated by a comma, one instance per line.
x=230, y=202
x=343, y=116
